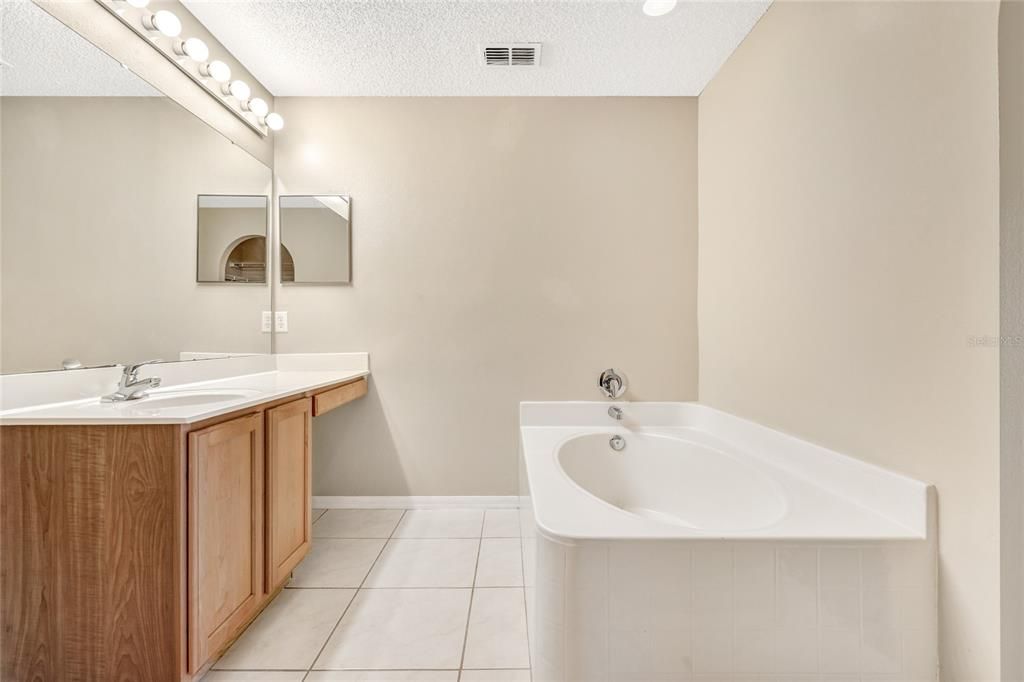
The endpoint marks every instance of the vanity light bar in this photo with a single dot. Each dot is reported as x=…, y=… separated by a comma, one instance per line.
x=162, y=29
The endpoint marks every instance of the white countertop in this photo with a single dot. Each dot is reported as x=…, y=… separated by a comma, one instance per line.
x=187, y=402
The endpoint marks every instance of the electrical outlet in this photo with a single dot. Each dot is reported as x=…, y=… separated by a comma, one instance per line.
x=267, y=323
x=281, y=321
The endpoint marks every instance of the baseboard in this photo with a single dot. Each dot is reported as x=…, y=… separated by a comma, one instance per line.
x=415, y=502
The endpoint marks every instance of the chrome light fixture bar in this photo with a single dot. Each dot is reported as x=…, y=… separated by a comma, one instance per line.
x=162, y=30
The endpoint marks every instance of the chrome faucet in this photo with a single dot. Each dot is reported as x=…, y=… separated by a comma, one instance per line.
x=615, y=412
x=612, y=384
x=131, y=387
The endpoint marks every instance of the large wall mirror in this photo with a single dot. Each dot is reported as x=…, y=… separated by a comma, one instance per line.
x=100, y=177
x=316, y=239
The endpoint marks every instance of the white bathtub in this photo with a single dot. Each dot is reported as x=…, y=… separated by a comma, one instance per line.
x=711, y=547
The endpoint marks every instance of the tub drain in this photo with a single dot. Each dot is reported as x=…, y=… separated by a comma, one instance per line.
x=618, y=443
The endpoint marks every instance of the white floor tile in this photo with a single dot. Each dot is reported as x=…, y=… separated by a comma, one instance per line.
x=254, y=676
x=495, y=676
x=289, y=632
x=501, y=523
x=383, y=676
x=441, y=523
x=425, y=563
x=336, y=562
x=501, y=563
x=357, y=523
x=497, y=630
x=399, y=630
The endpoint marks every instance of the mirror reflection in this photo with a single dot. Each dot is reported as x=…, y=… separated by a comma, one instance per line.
x=232, y=237
x=99, y=174
x=315, y=239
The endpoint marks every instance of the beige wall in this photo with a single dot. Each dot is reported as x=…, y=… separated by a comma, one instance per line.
x=849, y=250
x=503, y=250
x=1011, y=152
x=98, y=233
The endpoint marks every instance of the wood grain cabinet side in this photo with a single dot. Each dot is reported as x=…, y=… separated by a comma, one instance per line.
x=225, y=533
x=289, y=488
x=92, y=558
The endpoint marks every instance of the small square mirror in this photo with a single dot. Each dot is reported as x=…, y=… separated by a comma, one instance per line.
x=315, y=239
x=232, y=238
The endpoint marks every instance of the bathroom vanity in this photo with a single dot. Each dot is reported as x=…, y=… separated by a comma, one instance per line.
x=140, y=539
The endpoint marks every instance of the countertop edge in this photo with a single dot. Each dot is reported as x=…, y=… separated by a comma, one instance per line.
x=26, y=418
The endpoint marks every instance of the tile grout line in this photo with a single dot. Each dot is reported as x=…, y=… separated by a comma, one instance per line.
x=526, y=606
x=472, y=591
x=354, y=596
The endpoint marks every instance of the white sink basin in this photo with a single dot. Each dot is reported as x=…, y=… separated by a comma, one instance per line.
x=191, y=398
x=187, y=399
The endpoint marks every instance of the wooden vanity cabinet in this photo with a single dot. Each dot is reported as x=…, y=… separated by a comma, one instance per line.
x=289, y=477
x=250, y=519
x=140, y=552
x=225, y=533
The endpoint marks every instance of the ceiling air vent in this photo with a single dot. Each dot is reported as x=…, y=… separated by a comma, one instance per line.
x=512, y=54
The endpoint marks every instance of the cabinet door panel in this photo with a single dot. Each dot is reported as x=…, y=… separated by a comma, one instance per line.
x=225, y=528
x=289, y=480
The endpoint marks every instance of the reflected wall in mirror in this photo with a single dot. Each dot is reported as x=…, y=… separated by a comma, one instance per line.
x=232, y=237
x=99, y=174
x=316, y=239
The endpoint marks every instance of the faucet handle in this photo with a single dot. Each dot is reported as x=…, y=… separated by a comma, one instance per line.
x=132, y=369
x=612, y=383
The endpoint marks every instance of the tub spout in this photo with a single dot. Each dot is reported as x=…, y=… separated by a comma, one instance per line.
x=615, y=412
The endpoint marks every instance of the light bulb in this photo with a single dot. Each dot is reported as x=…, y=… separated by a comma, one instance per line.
x=238, y=89
x=163, y=21
x=274, y=121
x=217, y=70
x=193, y=48
x=258, y=107
x=657, y=8
x=139, y=4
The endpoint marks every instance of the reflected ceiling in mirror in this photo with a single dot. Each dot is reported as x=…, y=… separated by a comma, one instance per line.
x=316, y=239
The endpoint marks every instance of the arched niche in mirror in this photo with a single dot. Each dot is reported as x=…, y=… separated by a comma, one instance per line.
x=287, y=265
x=232, y=239
x=247, y=260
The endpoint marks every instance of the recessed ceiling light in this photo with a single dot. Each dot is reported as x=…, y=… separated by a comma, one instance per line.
x=657, y=8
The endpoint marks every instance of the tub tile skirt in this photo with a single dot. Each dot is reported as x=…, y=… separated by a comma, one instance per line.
x=662, y=610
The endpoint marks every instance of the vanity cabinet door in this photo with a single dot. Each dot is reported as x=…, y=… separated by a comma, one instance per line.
x=289, y=488
x=225, y=533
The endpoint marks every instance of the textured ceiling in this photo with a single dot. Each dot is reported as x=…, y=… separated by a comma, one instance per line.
x=48, y=58
x=433, y=47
